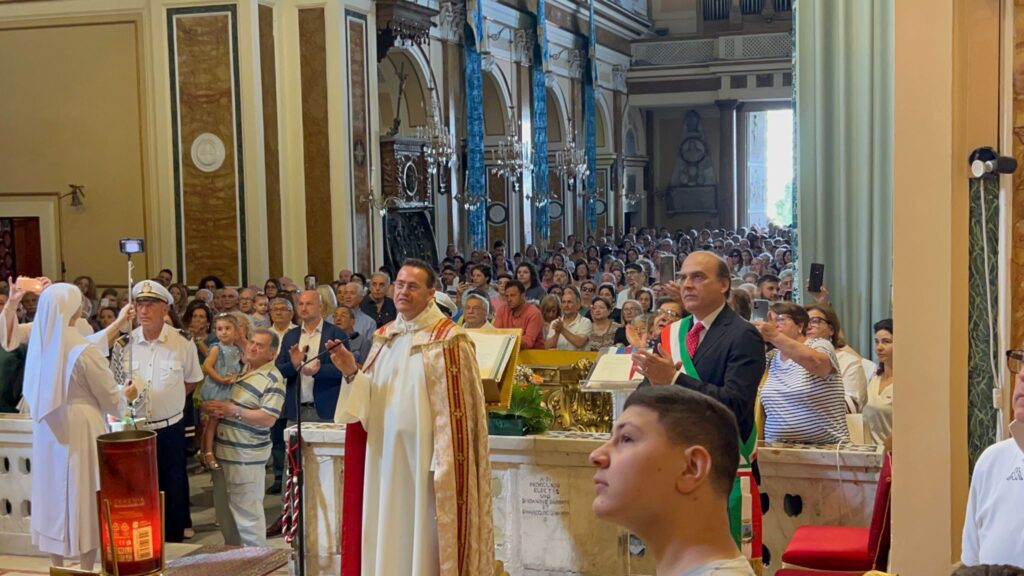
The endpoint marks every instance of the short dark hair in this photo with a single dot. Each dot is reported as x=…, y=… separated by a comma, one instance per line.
x=694, y=419
x=485, y=270
x=768, y=278
x=884, y=324
x=794, y=311
x=168, y=270
x=513, y=283
x=421, y=265
x=275, y=342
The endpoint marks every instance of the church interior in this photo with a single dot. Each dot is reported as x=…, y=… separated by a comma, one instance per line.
x=282, y=141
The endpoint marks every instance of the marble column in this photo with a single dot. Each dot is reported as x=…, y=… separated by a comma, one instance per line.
x=727, y=161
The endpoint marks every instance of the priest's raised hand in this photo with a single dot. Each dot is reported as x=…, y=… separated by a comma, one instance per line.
x=342, y=358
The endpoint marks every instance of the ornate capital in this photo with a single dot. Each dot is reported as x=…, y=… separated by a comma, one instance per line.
x=575, y=63
x=619, y=78
x=550, y=79
x=487, y=62
x=523, y=42
x=452, y=20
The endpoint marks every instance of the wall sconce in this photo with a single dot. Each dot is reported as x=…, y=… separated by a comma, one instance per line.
x=77, y=193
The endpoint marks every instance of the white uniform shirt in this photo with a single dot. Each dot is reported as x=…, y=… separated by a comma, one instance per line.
x=580, y=326
x=311, y=339
x=163, y=366
x=994, y=524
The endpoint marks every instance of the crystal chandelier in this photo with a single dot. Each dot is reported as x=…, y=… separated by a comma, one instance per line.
x=512, y=157
x=438, y=151
x=571, y=160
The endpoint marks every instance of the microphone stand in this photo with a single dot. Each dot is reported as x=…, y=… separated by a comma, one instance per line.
x=300, y=461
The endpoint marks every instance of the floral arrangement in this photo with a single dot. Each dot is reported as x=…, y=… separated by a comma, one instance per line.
x=526, y=404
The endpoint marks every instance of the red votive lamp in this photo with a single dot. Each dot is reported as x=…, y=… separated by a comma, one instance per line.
x=129, y=503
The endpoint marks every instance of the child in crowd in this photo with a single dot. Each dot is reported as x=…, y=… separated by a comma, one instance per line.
x=261, y=315
x=223, y=364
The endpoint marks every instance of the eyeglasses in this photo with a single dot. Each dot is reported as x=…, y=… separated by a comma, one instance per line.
x=818, y=322
x=669, y=312
x=1015, y=361
x=587, y=289
x=782, y=318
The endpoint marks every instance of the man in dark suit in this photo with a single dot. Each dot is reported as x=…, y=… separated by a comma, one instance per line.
x=716, y=352
x=319, y=382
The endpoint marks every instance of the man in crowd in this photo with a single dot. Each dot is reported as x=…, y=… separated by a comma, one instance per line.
x=344, y=275
x=247, y=301
x=352, y=297
x=786, y=285
x=476, y=311
x=518, y=313
x=994, y=522
x=281, y=317
x=418, y=464
x=379, y=306
x=165, y=276
x=229, y=300
x=243, y=443
x=345, y=318
x=672, y=458
x=635, y=280
x=768, y=287
x=168, y=370
x=715, y=352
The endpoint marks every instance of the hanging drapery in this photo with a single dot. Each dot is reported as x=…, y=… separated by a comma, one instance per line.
x=476, y=194
x=844, y=118
x=590, y=120
x=541, y=219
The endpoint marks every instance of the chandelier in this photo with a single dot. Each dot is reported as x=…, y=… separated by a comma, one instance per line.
x=512, y=157
x=571, y=160
x=438, y=151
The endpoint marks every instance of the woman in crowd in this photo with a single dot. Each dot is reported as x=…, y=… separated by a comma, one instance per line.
x=741, y=302
x=88, y=288
x=607, y=291
x=547, y=276
x=824, y=323
x=550, y=309
x=878, y=411
x=328, y=300
x=526, y=273
x=531, y=255
x=556, y=291
x=70, y=392
x=630, y=311
x=211, y=283
x=571, y=331
x=198, y=320
x=581, y=271
x=803, y=395
x=733, y=261
x=271, y=288
x=646, y=299
x=179, y=293
x=603, y=327
x=588, y=289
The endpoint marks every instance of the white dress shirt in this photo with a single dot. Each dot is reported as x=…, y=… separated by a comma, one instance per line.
x=163, y=366
x=311, y=339
x=707, y=321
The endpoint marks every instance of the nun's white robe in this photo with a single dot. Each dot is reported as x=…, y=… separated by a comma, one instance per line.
x=65, y=464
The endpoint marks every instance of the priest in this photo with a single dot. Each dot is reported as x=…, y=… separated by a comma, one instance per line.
x=417, y=492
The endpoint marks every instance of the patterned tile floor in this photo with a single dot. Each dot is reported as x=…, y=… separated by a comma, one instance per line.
x=207, y=533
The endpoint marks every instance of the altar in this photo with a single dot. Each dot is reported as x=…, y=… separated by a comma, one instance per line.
x=543, y=489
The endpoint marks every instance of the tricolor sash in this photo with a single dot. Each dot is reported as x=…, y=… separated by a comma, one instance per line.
x=745, y=499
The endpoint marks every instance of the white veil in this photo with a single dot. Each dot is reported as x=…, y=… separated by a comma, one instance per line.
x=53, y=349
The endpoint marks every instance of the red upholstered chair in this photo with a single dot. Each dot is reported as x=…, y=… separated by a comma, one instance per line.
x=846, y=548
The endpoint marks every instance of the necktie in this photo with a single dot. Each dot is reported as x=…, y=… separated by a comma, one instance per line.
x=693, y=338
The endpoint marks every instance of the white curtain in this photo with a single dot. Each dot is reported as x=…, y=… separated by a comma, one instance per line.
x=844, y=126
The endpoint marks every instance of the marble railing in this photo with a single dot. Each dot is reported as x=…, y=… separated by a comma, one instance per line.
x=543, y=490
x=15, y=485
x=701, y=50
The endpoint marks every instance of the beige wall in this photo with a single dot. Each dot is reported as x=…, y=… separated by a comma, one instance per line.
x=70, y=113
x=946, y=104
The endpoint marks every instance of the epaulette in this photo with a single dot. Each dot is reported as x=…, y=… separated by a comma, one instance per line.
x=185, y=334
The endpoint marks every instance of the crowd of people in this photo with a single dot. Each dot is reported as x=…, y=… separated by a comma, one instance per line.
x=613, y=290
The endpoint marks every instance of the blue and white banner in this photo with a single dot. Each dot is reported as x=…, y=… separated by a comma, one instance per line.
x=476, y=192
x=590, y=119
x=541, y=217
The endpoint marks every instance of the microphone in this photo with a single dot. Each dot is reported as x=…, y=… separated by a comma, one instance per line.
x=325, y=353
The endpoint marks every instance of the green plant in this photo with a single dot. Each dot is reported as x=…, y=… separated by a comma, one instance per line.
x=527, y=403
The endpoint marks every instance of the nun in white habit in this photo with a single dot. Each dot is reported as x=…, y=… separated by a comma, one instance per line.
x=69, y=389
